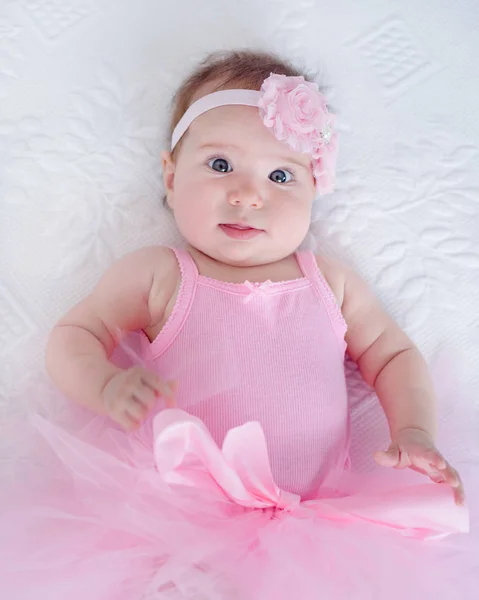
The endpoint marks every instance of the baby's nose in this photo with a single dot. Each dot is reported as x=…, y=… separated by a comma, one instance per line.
x=246, y=196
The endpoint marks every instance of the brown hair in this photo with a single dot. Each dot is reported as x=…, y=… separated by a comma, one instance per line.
x=244, y=69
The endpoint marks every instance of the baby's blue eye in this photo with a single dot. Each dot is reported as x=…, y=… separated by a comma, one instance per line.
x=220, y=164
x=280, y=176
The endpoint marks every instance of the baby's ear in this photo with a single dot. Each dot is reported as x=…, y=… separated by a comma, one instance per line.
x=168, y=165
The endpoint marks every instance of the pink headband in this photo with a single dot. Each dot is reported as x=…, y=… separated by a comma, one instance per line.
x=293, y=109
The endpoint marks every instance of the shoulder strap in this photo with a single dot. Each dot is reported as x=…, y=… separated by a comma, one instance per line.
x=309, y=266
x=184, y=301
x=188, y=268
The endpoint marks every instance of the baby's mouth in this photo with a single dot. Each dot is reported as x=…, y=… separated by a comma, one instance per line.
x=237, y=226
x=240, y=231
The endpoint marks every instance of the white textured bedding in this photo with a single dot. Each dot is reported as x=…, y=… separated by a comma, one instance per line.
x=84, y=89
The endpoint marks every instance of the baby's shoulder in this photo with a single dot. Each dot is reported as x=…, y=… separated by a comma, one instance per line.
x=160, y=268
x=157, y=262
x=160, y=263
x=335, y=273
x=152, y=269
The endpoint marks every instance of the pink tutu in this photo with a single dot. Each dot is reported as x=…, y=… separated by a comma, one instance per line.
x=163, y=513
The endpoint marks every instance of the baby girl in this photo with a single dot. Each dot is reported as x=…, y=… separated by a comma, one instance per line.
x=241, y=183
x=209, y=465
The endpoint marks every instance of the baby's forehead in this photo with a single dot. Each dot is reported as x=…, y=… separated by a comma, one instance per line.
x=240, y=126
x=232, y=119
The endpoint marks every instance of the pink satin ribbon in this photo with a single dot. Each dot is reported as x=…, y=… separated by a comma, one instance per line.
x=187, y=455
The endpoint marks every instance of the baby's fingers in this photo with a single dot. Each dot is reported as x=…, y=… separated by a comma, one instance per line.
x=136, y=410
x=389, y=458
x=145, y=395
x=170, y=400
x=452, y=478
x=435, y=459
x=449, y=476
x=126, y=420
x=162, y=388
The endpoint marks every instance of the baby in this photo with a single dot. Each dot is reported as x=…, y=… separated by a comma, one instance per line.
x=242, y=325
x=241, y=487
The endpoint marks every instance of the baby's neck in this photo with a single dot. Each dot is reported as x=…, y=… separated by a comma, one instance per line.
x=285, y=269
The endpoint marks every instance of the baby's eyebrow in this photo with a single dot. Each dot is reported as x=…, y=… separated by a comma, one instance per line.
x=223, y=146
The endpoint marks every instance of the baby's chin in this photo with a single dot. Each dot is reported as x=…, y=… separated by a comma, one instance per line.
x=245, y=254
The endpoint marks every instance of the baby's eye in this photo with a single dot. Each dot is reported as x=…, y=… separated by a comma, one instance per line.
x=220, y=164
x=280, y=176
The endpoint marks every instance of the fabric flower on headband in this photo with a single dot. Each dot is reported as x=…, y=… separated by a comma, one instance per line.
x=296, y=112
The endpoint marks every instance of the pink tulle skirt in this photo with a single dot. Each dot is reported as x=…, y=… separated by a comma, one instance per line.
x=164, y=513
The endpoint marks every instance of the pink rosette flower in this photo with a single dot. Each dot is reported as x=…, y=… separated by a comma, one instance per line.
x=296, y=112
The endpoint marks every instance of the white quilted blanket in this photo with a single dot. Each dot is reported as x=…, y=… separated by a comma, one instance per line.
x=84, y=90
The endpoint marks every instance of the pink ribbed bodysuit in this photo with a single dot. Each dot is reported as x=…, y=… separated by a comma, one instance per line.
x=270, y=352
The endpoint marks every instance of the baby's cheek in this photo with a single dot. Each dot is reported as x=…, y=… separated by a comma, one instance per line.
x=192, y=217
x=294, y=215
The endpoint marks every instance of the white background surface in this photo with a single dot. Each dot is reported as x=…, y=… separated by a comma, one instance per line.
x=84, y=92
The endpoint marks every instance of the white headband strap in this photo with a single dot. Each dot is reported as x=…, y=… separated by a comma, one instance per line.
x=214, y=100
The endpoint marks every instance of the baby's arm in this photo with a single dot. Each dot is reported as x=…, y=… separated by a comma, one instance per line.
x=388, y=360
x=391, y=363
x=131, y=295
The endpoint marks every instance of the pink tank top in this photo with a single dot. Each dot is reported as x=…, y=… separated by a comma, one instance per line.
x=270, y=352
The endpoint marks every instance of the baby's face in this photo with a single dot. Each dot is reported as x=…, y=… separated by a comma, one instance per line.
x=231, y=173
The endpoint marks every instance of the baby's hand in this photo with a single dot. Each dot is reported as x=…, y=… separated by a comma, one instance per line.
x=415, y=449
x=132, y=393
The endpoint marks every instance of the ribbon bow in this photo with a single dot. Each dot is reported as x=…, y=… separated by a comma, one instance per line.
x=187, y=455
x=257, y=290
